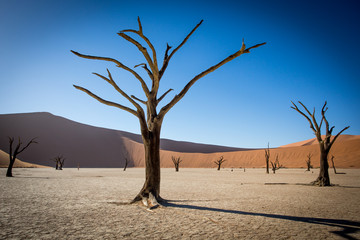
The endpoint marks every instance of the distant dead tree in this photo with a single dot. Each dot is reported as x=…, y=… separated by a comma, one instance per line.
x=333, y=165
x=126, y=163
x=59, y=162
x=151, y=118
x=176, y=162
x=17, y=151
x=276, y=165
x=267, y=158
x=219, y=162
x=308, y=162
x=325, y=143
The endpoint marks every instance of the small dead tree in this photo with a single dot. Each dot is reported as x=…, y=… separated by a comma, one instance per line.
x=267, y=158
x=126, y=163
x=17, y=151
x=325, y=143
x=219, y=162
x=308, y=162
x=176, y=162
x=333, y=165
x=59, y=162
x=276, y=165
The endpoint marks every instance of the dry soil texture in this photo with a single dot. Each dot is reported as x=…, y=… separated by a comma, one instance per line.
x=203, y=204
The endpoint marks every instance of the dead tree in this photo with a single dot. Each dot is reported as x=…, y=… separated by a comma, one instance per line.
x=333, y=165
x=176, y=162
x=267, y=158
x=151, y=120
x=276, y=165
x=308, y=162
x=325, y=143
x=219, y=162
x=126, y=163
x=17, y=151
x=59, y=162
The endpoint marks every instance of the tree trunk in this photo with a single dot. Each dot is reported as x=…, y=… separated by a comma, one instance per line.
x=150, y=192
x=323, y=178
x=9, y=170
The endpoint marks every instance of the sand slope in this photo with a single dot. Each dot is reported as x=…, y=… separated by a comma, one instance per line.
x=4, y=162
x=91, y=146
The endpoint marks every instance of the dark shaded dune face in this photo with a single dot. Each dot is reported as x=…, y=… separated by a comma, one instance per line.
x=89, y=146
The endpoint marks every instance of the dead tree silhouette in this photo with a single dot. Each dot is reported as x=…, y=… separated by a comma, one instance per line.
x=276, y=165
x=59, y=162
x=325, y=143
x=219, y=162
x=151, y=120
x=17, y=151
x=267, y=158
x=308, y=162
x=176, y=162
x=333, y=165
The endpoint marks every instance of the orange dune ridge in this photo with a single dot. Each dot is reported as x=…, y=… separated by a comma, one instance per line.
x=346, y=154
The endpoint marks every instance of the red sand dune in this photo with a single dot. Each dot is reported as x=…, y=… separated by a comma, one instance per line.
x=91, y=146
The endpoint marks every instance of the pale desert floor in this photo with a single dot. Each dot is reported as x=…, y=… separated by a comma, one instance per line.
x=204, y=204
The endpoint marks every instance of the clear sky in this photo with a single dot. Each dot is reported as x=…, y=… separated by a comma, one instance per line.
x=312, y=55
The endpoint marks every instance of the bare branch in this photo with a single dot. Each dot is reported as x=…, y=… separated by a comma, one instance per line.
x=164, y=95
x=27, y=145
x=140, y=33
x=118, y=64
x=144, y=66
x=107, y=102
x=332, y=142
x=111, y=81
x=143, y=50
x=142, y=101
x=298, y=110
x=178, y=97
x=167, y=59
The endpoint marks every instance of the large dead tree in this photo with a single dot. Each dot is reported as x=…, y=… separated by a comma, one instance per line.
x=151, y=119
x=17, y=151
x=219, y=162
x=325, y=143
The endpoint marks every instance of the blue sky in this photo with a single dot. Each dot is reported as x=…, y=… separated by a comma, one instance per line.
x=311, y=55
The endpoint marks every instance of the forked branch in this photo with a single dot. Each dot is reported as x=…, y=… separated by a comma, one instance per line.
x=168, y=57
x=140, y=33
x=111, y=81
x=178, y=97
x=118, y=64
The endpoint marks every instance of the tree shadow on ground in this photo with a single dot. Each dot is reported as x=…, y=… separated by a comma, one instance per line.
x=348, y=227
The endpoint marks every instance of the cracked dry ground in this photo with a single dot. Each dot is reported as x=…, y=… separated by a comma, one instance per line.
x=203, y=204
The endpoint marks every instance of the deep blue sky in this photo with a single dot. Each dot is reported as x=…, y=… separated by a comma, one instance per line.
x=312, y=55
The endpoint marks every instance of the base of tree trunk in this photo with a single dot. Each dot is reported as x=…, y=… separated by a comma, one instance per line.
x=148, y=200
x=321, y=182
x=9, y=175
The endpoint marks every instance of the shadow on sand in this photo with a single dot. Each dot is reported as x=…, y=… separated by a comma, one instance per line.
x=347, y=226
